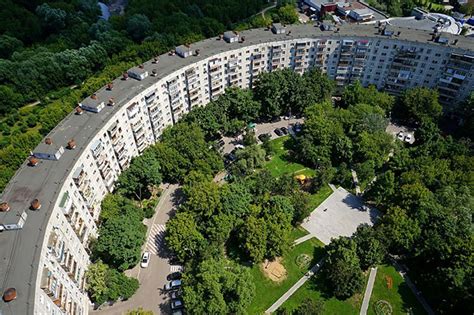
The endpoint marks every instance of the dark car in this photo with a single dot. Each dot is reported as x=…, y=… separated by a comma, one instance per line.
x=176, y=304
x=264, y=136
x=284, y=130
x=220, y=143
x=174, y=276
x=278, y=132
x=275, y=119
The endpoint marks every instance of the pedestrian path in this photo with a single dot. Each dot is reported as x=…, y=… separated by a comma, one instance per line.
x=303, y=239
x=294, y=288
x=356, y=182
x=368, y=291
x=155, y=238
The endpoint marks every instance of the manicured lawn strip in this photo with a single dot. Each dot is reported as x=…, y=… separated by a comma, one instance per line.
x=267, y=291
x=314, y=290
x=399, y=296
x=320, y=196
x=298, y=232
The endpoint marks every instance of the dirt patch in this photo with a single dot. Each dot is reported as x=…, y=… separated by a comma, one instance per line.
x=274, y=270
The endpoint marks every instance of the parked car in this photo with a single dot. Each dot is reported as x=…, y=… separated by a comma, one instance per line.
x=176, y=294
x=408, y=138
x=401, y=135
x=286, y=117
x=145, y=260
x=275, y=119
x=176, y=304
x=278, y=132
x=239, y=146
x=173, y=285
x=263, y=136
x=221, y=143
x=284, y=130
x=174, y=276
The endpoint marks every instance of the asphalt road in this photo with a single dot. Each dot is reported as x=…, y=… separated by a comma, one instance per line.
x=150, y=295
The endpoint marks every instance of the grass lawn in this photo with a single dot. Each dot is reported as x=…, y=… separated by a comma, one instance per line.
x=281, y=164
x=312, y=290
x=317, y=198
x=399, y=296
x=267, y=291
x=298, y=232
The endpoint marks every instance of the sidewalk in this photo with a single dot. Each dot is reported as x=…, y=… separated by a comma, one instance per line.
x=368, y=291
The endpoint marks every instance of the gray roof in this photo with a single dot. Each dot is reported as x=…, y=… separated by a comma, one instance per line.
x=20, y=250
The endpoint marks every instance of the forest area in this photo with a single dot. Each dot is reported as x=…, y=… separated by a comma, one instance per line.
x=55, y=53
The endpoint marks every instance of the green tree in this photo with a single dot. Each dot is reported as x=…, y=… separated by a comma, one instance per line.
x=139, y=311
x=8, y=45
x=183, y=236
x=119, y=242
x=254, y=236
x=421, y=104
x=342, y=268
x=288, y=14
x=370, y=249
x=96, y=277
x=400, y=232
x=138, y=26
x=218, y=286
x=52, y=19
x=248, y=159
x=310, y=307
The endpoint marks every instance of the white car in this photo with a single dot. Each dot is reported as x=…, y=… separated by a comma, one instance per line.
x=408, y=138
x=401, y=135
x=145, y=260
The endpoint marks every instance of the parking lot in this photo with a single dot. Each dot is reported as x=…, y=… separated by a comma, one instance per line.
x=399, y=131
x=339, y=215
x=231, y=142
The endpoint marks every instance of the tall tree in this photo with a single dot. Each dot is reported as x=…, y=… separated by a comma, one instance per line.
x=421, y=104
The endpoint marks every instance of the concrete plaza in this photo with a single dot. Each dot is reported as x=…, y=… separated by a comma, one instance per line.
x=339, y=215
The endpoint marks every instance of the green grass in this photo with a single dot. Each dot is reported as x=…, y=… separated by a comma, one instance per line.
x=267, y=291
x=280, y=162
x=312, y=290
x=317, y=198
x=399, y=296
x=298, y=232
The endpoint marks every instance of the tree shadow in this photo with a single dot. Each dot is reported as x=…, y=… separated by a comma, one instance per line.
x=165, y=307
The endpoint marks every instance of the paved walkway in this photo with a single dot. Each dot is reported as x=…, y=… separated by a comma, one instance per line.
x=413, y=288
x=302, y=239
x=295, y=287
x=356, y=182
x=368, y=291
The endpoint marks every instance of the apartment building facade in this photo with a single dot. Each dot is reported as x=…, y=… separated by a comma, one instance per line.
x=69, y=174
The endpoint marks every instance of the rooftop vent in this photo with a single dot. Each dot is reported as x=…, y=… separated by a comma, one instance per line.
x=154, y=72
x=79, y=110
x=197, y=52
x=172, y=52
x=125, y=76
x=141, y=66
x=242, y=39
x=4, y=207
x=32, y=161
x=48, y=141
x=94, y=96
x=9, y=294
x=111, y=102
x=71, y=144
x=35, y=205
x=110, y=86
x=156, y=60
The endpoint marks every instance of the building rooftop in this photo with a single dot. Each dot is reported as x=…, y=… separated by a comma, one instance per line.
x=20, y=249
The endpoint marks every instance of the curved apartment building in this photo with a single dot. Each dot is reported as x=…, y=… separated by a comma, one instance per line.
x=51, y=206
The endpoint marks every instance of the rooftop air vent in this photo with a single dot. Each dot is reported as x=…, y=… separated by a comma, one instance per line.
x=110, y=86
x=125, y=76
x=197, y=52
x=48, y=141
x=154, y=72
x=79, y=110
x=35, y=205
x=71, y=144
x=156, y=60
x=32, y=161
x=141, y=66
x=4, y=207
x=111, y=102
x=94, y=96
x=9, y=294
